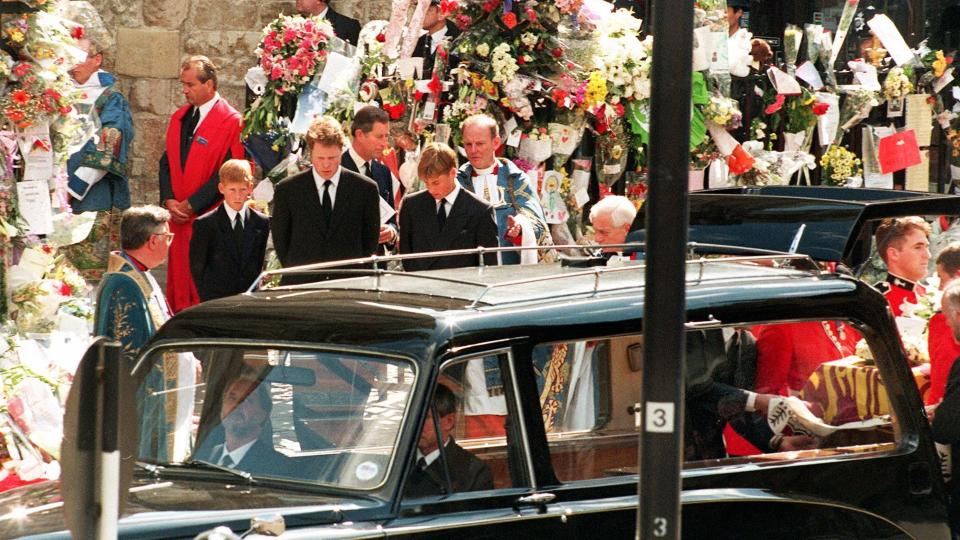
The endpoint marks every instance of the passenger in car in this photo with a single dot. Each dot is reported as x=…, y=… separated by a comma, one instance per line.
x=466, y=472
x=247, y=431
x=902, y=244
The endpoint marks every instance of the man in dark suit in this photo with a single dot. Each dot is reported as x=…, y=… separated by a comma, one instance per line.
x=370, y=133
x=437, y=29
x=228, y=244
x=344, y=27
x=466, y=471
x=247, y=432
x=445, y=216
x=327, y=213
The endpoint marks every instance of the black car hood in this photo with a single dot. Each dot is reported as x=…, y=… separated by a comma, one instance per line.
x=177, y=508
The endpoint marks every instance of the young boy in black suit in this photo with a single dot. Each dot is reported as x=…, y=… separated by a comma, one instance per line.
x=444, y=216
x=228, y=244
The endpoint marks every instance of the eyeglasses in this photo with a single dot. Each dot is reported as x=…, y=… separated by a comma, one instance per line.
x=167, y=235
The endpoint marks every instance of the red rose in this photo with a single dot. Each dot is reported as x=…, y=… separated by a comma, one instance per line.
x=447, y=7
x=489, y=5
x=820, y=108
x=520, y=60
x=557, y=52
x=65, y=110
x=395, y=111
x=381, y=37
x=77, y=33
x=434, y=85
x=740, y=161
x=65, y=289
x=21, y=69
x=531, y=15
x=510, y=19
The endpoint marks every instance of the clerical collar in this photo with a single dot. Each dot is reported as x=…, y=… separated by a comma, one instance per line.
x=903, y=283
x=493, y=169
x=140, y=266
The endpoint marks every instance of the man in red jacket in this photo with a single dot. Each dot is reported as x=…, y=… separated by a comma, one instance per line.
x=903, y=246
x=202, y=135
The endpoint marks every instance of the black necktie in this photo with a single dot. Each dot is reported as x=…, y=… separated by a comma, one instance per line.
x=441, y=214
x=187, y=127
x=238, y=231
x=366, y=170
x=326, y=206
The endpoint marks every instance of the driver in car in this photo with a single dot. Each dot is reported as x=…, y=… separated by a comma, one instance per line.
x=247, y=431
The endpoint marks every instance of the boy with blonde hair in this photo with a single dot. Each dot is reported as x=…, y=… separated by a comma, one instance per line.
x=228, y=243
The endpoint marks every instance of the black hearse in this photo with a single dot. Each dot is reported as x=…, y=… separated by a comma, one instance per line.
x=554, y=351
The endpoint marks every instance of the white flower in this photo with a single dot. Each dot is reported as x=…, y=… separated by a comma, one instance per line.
x=483, y=49
x=528, y=39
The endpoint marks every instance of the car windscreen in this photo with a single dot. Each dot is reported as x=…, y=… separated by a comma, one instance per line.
x=820, y=229
x=319, y=416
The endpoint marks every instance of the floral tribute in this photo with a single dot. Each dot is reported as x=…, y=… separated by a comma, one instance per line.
x=291, y=52
x=839, y=164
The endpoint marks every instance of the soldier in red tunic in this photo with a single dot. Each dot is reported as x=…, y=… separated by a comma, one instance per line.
x=202, y=135
x=903, y=246
x=941, y=345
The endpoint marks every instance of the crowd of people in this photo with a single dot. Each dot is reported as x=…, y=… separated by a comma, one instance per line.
x=350, y=204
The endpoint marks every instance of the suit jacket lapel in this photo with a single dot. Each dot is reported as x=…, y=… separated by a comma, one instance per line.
x=250, y=229
x=456, y=217
x=342, y=204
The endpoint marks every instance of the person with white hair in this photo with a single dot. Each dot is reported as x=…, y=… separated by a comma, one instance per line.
x=611, y=219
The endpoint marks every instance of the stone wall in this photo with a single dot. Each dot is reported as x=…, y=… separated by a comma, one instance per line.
x=151, y=39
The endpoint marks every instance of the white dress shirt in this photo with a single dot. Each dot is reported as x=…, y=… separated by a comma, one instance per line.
x=335, y=179
x=232, y=214
x=205, y=109
x=237, y=454
x=436, y=38
x=359, y=161
x=450, y=198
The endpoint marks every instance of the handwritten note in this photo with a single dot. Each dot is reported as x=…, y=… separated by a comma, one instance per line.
x=33, y=197
x=919, y=117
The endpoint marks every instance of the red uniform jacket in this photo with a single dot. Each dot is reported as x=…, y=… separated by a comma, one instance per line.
x=897, y=290
x=943, y=350
x=218, y=133
x=788, y=353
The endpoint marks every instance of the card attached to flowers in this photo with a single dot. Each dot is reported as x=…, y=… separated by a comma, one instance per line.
x=33, y=198
x=37, y=151
x=899, y=151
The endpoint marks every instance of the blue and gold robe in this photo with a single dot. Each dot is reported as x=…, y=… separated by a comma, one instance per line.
x=516, y=195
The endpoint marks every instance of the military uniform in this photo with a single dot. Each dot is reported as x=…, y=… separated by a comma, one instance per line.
x=898, y=290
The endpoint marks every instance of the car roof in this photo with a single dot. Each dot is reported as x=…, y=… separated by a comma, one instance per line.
x=405, y=311
x=823, y=222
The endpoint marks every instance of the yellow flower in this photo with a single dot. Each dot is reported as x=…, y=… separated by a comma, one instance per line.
x=596, y=90
x=939, y=65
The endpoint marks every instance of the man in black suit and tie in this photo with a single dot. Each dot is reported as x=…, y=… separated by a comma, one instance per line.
x=344, y=27
x=437, y=29
x=445, y=216
x=247, y=431
x=327, y=213
x=228, y=244
x=467, y=472
x=370, y=136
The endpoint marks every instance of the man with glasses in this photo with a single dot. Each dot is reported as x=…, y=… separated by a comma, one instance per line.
x=130, y=302
x=903, y=245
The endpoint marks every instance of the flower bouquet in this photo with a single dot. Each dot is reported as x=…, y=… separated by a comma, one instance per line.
x=792, y=38
x=897, y=84
x=839, y=164
x=291, y=52
x=856, y=105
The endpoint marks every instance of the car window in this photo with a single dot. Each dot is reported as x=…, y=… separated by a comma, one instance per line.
x=315, y=416
x=784, y=392
x=477, y=418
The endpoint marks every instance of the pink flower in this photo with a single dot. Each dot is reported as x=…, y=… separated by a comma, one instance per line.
x=776, y=105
